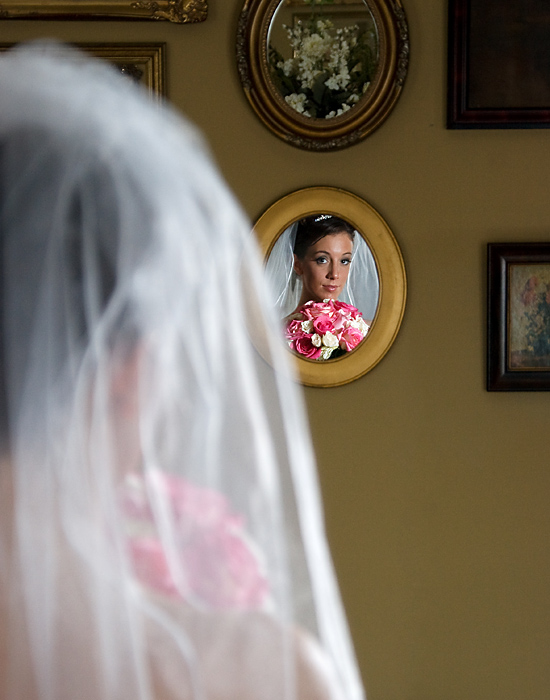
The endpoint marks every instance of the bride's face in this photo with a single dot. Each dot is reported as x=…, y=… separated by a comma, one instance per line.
x=324, y=269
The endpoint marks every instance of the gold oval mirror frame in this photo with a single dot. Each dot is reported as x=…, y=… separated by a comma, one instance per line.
x=390, y=267
x=350, y=127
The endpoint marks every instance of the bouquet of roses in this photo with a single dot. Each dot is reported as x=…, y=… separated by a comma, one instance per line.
x=324, y=330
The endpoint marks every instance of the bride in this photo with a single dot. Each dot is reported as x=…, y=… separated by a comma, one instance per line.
x=323, y=252
x=322, y=256
x=160, y=523
x=322, y=321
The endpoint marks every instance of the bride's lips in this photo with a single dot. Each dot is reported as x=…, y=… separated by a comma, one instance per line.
x=330, y=287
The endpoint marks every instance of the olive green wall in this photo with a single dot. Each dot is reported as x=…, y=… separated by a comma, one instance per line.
x=436, y=491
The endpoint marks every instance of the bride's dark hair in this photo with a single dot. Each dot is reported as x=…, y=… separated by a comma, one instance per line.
x=91, y=198
x=312, y=228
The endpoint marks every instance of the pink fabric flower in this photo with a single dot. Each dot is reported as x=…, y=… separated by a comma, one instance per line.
x=151, y=566
x=213, y=562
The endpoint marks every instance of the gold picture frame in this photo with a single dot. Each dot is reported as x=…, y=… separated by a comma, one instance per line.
x=322, y=134
x=390, y=267
x=178, y=11
x=144, y=63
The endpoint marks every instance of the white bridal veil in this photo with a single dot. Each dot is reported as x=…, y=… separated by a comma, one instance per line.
x=362, y=286
x=160, y=526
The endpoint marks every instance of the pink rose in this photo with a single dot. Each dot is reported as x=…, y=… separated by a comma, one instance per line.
x=304, y=346
x=340, y=322
x=312, y=309
x=350, y=339
x=347, y=308
x=294, y=330
x=322, y=324
x=306, y=313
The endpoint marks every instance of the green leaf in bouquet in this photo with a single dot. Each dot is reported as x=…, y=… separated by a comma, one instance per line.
x=337, y=352
x=319, y=89
x=285, y=84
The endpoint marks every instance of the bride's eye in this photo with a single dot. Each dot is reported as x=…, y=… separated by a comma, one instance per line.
x=345, y=261
x=321, y=260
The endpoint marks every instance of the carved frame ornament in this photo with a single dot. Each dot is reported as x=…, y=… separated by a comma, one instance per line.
x=177, y=11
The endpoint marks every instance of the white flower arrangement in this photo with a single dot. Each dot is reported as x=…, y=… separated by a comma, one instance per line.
x=329, y=71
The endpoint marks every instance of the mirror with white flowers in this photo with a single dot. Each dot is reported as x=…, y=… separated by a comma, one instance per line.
x=338, y=282
x=322, y=74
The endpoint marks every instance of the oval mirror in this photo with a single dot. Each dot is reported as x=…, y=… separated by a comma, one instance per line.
x=371, y=281
x=322, y=74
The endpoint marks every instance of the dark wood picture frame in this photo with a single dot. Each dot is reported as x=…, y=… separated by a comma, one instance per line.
x=518, y=317
x=498, y=64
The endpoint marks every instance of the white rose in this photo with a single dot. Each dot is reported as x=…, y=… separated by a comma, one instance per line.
x=360, y=324
x=316, y=340
x=307, y=326
x=330, y=340
x=326, y=353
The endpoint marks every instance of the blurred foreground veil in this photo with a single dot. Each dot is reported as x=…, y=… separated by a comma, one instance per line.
x=160, y=526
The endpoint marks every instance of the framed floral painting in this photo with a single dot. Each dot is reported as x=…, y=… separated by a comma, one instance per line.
x=518, y=324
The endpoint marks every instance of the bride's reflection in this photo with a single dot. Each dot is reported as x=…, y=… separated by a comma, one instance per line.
x=325, y=285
